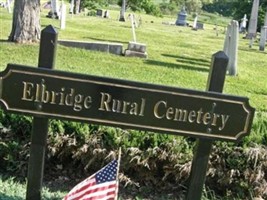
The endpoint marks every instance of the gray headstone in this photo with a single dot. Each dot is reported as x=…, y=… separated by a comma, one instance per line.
x=252, y=27
x=122, y=12
x=181, y=19
x=99, y=12
x=263, y=38
x=200, y=26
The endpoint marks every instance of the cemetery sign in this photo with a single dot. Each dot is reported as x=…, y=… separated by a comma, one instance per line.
x=127, y=104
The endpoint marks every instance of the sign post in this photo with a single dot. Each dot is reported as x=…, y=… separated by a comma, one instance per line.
x=45, y=93
x=40, y=124
x=201, y=156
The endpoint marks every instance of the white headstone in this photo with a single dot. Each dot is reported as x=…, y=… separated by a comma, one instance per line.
x=71, y=6
x=231, y=46
x=63, y=16
x=195, y=23
x=8, y=2
x=243, y=24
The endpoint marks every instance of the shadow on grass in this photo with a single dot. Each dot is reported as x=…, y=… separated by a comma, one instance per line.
x=177, y=66
x=97, y=39
x=6, y=197
x=251, y=50
x=189, y=59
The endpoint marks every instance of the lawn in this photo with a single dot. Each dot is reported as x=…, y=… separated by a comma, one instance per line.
x=177, y=56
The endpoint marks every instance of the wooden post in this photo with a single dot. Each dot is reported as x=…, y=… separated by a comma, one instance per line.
x=201, y=156
x=47, y=56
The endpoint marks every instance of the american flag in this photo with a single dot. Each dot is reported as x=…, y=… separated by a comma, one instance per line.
x=102, y=185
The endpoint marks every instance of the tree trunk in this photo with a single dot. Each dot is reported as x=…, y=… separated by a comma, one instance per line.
x=26, y=21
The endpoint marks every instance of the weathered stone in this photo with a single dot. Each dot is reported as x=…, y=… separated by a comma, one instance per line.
x=130, y=53
x=181, y=20
x=263, y=38
x=134, y=46
x=114, y=48
x=231, y=46
x=252, y=27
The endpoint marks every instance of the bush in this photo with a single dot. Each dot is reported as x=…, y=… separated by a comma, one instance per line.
x=148, y=159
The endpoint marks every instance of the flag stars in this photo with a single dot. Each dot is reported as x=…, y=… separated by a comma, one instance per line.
x=109, y=173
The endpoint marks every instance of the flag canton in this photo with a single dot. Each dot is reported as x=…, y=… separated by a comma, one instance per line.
x=108, y=173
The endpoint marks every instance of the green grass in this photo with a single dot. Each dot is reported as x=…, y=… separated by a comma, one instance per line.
x=14, y=190
x=177, y=56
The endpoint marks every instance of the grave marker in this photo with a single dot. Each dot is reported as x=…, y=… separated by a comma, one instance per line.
x=181, y=18
x=63, y=16
x=252, y=27
x=263, y=38
x=231, y=47
x=243, y=24
x=195, y=23
x=122, y=11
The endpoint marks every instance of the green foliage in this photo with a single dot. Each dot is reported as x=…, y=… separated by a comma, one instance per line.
x=142, y=5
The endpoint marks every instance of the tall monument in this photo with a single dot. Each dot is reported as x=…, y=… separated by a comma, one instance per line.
x=252, y=27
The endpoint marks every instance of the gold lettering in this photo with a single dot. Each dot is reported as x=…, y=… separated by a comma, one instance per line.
x=180, y=115
x=69, y=99
x=142, y=107
x=116, y=105
x=169, y=113
x=206, y=118
x=156, y=109
x=224, y=121
x=125, y=105
x=62, y=97
x=27, y=91
x=87, y=102
x=199, y=113
x=134, y=109
x=191, y=116
x=77, y=106
x=105, y=100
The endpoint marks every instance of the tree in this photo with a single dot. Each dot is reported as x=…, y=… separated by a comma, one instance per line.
x=26, y=21
x=142, y=5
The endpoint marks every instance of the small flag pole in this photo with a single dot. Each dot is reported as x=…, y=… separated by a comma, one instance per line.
x=117, y=178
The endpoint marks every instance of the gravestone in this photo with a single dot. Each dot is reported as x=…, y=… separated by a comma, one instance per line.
x=200, y=26
x=265, y=22
x=122, y=12
x=195, y=23
x=106, y=14
x=8, y=5
x=99, y=12
x=231, y=47
x=135, y=49
x=263, y=38
x=71, y=7
x=243, y=24
x=181, y=20
x=252, y=27
x=54, y=12
x=63, y=16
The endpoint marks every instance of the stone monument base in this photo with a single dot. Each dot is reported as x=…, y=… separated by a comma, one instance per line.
x=136, y=50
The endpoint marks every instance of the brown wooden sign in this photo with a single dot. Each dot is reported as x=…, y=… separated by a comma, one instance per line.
x=58, y=94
